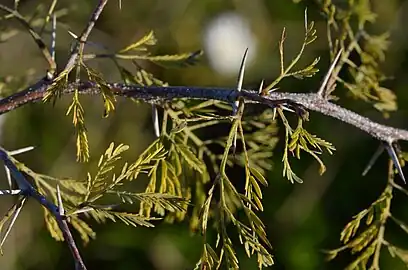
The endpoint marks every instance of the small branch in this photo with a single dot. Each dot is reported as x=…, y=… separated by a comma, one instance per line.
x=79, y=48
x=28, y=190
x=385, y=214
x=37, y=38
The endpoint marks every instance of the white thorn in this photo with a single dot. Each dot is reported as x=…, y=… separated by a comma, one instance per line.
x=239, y=88
x=287, y=109
x=155, y=117
x=21, y=150
x=82, y=210
x=323, y=86
x=13, y=219
x=53, y=35
x=72, y=34
x=60, y=205
x=8, y=176
x=10, y=192
x=261, y=87
x=240, y=78
x=242, y=71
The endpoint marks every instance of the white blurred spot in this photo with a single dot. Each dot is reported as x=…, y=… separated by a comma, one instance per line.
x=226, y=38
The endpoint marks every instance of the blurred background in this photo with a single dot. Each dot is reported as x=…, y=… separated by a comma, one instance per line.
x=302, y=219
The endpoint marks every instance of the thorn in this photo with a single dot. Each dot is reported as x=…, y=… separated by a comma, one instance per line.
x=72, y=34
x=13, y=153
x=16, y=212
x=274, y=114
x=240, y=78
x=155, y=118
x=8, y=176
x=18, y=176
x=373, y=159
x=82, y=210
x=61, y=209
x=261, y=87
x=21, y=150
x=239, y=88
x=10, y=192
x=242, y=70
x=323, y=86
x=287, y=109
x=53, y=36
x=394, y=158
x=273, y=89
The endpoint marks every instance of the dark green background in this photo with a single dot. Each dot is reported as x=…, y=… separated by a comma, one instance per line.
x=301, y=219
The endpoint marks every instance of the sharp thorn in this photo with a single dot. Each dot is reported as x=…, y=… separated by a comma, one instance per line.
x=61, y=209
x=323, y=86
x=53, y=35
x=10, y=192
x=16, y=212
x=240, y=78
x=8, y=176
x=72, y=34
x=287, y=109
x=239, y=88
x=394, y=158
x=373, y=159
x=242, y=71
x=21, y=150
x=260, y=87
x=155, y=118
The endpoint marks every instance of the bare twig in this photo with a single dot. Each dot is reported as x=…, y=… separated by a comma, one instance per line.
x=37, y=38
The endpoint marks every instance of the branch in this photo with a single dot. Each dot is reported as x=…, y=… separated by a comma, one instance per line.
x=79, y=48
x=158, y=95
x=27, y=190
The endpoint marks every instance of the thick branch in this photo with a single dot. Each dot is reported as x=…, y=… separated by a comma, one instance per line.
x=156, y=94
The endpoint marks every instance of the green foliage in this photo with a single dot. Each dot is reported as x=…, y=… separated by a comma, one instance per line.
x=301, y=140
x=343, y=32
x=364, y=236
x=308, y=71
x=186, y=173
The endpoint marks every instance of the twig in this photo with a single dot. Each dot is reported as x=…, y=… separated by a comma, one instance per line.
x=79, y=48
x=385, y=214
x=37, y=38
x=28, y=190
